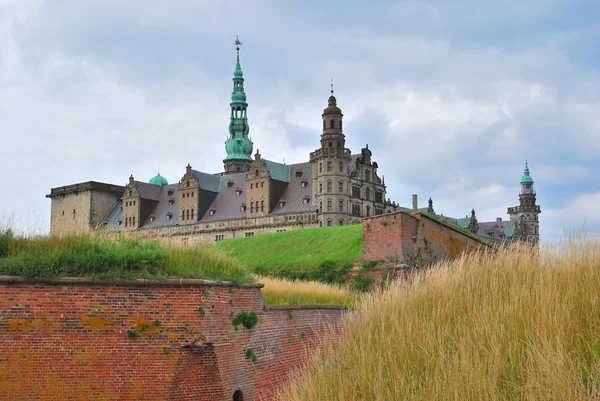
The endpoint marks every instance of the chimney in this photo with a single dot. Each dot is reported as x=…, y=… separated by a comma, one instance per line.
x=414, y=198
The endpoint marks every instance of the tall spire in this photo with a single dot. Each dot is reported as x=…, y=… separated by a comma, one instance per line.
x=238, y=144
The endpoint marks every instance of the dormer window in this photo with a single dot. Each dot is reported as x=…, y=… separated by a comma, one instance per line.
x=169, y=216
x=229, y=183
x=298, y=173
x=170, y=192
x=212, y=212
x=243, y=208
x=238, y=192
x=281, y=203
x=152, y=218
x=171, y=202
x=303, y=184
x=306, y=200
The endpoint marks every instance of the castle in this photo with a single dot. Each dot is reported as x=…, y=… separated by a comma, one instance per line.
x=254, y=195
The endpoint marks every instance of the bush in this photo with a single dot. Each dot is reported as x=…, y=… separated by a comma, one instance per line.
x=329, y=272
x=361, y=283
x=248, y=320
x=5, y=240
x=369, y=264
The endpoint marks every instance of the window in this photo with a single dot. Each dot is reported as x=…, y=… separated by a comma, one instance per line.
x=321, y=206
x=303, y=184
x=169, y=216
x=151, y=218
x=355, y=210
x=331, y=144
x=133, y=220
x=324, y=126
x=192, y=214
x=367, y=175
x=340, y=124
x=251, y=185
x=340, y=167
x=183, y=215
x=329, y=205
x=355, y=192
x=320, y=167
x=379, y=197
x=187, y=214
x=170, y=192
x=242, y=208
x=341, y=186
x=212, y=212
x=251, y=207
x=329, y=186
x=238, y=396
x=329, y=223
x=256, y=173
x=133, y=203
x=368, y=194
x=378, y=212
x=332, y=124
x=329, y=167
x=368, y=211
x=341, y=205
x=63, y=212
x=250, y=234
x=219, y=237
x=262, y=184
x=183, y=194
x=281, y=203
x=298, y=173
x=262, y=206
x=187, y=183
x=306, y=200
x=338, y=144
x=171, y=202
x=192, y=194
x=320, y=187
x=238, y=192
x=341, y=222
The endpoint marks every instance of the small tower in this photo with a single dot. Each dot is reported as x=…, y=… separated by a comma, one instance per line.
x=330, y=180
x=473, y=224
x=526, y=215
x=238, y=145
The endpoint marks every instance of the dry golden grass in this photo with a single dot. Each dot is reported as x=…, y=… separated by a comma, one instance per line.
x=282, y=292
x=515, y=325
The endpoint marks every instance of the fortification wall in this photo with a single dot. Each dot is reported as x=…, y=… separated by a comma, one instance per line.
x=76, y=339
x=415, y=240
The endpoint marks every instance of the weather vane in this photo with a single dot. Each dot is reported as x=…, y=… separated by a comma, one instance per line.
x=237, y=43
x=331, y=86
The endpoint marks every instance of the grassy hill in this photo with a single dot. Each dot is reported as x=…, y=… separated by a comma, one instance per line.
x=302, y=249
x=516, y=325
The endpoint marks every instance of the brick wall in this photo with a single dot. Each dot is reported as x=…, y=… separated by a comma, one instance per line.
x=413, y=239
x=73, y=339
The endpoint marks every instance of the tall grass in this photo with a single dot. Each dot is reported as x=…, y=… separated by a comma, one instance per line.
x=282, y=292
x=302, y=249
x=127, y=257
x=512, y=325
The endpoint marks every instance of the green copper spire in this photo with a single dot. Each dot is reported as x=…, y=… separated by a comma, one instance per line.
x=526, y=179
x=238, y=145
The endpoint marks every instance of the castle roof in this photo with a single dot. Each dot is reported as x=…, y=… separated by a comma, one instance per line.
x=158, y=180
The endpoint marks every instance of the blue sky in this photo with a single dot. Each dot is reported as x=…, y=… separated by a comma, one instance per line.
x=451, y=96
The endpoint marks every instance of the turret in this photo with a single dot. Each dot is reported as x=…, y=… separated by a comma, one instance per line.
x=331, y=184
x=238, y=144
x=526, y=215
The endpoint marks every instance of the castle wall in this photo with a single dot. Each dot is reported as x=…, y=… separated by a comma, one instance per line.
x=416, y=240
x=79, y=339
x=71, y=213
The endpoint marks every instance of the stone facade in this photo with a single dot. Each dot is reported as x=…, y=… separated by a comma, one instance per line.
x=80, y=207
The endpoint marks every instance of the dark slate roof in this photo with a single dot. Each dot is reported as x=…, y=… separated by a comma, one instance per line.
x=149, y=191
x=227, y=205
x=114, y=215
x=208, y=182
x=163, y=208
x=279, y=172
x=294, y=194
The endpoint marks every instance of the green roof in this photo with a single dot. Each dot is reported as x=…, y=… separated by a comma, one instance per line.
x=526, y=179
x=158, y=180
x=279, y=172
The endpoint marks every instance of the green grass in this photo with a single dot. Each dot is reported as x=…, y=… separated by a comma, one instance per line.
x=83, y=256
x=303, y=249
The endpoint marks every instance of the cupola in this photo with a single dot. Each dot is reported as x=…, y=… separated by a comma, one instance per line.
x=158, y=180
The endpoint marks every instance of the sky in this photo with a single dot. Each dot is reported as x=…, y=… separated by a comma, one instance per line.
x=451, y=96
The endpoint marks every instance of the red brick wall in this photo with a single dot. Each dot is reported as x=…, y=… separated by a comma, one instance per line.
x=413, y=239
x=70, y=341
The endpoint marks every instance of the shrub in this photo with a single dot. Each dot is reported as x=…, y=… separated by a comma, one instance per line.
x=361, y=283
x=248, y=320
x=369, y=264
x=5, y=240
x=330, y=273
x=250, y=354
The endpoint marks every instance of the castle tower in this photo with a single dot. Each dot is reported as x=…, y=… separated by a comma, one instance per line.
x=331, y=183
x=526, y=215
x=238, y=145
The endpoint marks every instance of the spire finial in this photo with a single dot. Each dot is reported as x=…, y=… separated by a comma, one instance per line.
x=237, y=44
x=331, y=86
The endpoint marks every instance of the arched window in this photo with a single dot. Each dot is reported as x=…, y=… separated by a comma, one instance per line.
x=341, y=222
x=238, y=169
x=256, y=173
x=341, y=186
x=329, y=166
x=331, y=144
x=320, y=187
x=238, y=396
x=368, y=210
x=368, y=193
x=332, y=124
x=329, y=186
